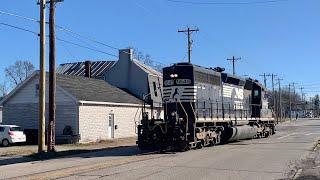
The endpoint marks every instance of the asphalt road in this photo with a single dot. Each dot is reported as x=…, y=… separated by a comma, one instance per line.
x=270, y=158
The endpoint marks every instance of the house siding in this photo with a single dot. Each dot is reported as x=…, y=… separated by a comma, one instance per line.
x=23, y=109
x=27, y=93
x=26, y=115
x=94, y=122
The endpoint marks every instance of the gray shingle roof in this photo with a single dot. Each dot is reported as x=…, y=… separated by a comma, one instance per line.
x=90, y=89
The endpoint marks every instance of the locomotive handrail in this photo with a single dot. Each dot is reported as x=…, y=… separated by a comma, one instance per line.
x=194, y=113
x=186, y=116
x=233, y=110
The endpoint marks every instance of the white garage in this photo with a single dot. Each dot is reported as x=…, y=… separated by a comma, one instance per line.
x=87, y=109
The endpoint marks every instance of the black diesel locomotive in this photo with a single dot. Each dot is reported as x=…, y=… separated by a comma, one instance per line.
x=204, y=106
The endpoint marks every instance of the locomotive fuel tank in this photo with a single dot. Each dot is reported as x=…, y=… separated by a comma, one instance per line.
x=242, y=132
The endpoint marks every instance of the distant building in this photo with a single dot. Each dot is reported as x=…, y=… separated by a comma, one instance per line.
x=87, y=109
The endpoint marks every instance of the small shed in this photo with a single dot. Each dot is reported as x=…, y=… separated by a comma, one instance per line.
x=87, y=108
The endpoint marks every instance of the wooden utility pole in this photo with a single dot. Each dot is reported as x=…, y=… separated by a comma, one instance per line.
x=274, y=96
x=280, y=103
x=302, y=100
x=52, y=78
x=189, y=32
x=264, y=75
x=290, y=108
x=233, y=64
x=42, y=80
x=301, y=89
x=294, y=94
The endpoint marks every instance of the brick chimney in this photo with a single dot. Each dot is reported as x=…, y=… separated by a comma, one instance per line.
x=88, y=70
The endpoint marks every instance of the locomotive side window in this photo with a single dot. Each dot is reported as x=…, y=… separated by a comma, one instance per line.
x=256, y=93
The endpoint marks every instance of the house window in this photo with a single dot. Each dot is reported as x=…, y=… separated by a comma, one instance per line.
x=37, y=90
x=155, y=89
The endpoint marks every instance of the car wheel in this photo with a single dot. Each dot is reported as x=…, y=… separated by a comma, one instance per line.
x=5, y=143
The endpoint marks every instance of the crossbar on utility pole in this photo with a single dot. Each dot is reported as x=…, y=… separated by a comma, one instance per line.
x=42, y=79
x=233, y=64
x=189, y=32
x=264, y=75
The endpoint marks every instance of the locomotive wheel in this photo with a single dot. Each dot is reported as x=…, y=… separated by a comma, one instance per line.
x=213, y=142
x=183, y=146
x=207, y=141
x=199, y=145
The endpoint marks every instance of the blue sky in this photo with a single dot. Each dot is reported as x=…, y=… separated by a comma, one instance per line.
x=281, y=38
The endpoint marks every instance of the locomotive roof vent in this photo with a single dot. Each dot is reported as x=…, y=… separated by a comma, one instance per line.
x=183, y=63
x=218, y=69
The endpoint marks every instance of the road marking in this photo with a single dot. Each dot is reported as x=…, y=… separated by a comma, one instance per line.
x=287, y=135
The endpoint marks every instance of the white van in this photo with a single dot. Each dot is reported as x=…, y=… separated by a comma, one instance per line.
x=10, y=134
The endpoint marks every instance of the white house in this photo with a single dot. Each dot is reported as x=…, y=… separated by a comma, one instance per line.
x=87, y=109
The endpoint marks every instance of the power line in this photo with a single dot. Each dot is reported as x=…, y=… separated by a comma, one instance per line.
x=73, y=34
x=69, y=31
x=19, y=28
x=227, y=3
x=59, y=39
x=86, y=47
x=85, y=37
x=19, y=16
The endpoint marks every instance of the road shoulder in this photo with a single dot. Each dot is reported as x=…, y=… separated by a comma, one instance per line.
x=309, y=167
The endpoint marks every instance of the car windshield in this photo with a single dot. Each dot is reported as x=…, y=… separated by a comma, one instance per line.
x=15, y=129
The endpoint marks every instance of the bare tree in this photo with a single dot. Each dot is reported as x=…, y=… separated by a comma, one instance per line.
x=3, y=89
x=19, y=71
x=147, y=59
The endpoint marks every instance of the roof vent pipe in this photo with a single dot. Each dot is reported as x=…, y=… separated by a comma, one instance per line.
x=88, y=69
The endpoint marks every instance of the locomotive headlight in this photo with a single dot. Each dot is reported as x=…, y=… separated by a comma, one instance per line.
x=173, y=75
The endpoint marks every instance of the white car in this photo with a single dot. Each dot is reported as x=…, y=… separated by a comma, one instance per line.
x=10, y=134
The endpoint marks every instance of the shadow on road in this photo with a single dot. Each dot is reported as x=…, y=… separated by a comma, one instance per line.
x=103, y=152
